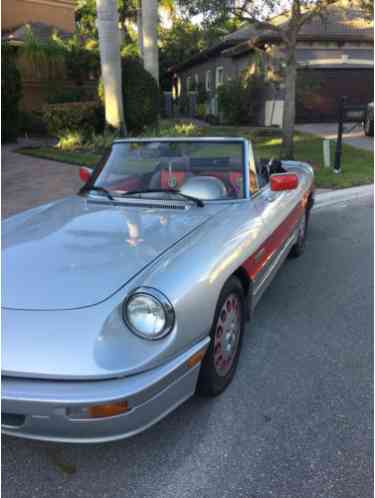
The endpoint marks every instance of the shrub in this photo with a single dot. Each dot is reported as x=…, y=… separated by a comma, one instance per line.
x=140, y=94
x=239, y=100
x=11, y=92
x=202, y=94
x=101, y=142
x=70, y=140
x=212, y=119
x=32, y=123
x=73, y=116
x=75, y=140
x=183, y=129
x=183, y=104
x=200, y=111
x=67, y=95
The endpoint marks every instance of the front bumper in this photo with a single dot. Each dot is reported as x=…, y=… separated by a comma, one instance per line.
x=39, y=409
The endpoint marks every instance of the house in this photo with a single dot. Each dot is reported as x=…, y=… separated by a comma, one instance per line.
x=43, y=18
x=334, y=54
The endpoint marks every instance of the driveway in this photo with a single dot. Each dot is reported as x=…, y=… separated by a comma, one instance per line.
x=296, y=420
x=356, y=138
x=28, y=181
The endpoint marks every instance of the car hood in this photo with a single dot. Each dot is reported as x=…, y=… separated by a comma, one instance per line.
x=76, y=253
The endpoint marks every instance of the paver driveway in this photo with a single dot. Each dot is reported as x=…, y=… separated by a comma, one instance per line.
x=29, y=181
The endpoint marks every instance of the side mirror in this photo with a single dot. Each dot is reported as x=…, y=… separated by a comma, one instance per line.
x=283, y=181
x=85, y=174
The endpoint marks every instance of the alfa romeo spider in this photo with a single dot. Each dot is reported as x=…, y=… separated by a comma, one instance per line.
x=122, y=301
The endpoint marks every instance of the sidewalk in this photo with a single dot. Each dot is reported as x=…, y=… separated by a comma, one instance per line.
x=326, y=198
x=355, y=138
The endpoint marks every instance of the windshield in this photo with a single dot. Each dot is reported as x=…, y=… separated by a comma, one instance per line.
x=202, y=169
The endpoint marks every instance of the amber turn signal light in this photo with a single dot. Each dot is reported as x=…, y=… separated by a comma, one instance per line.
x=108, y=410
x=196, y=358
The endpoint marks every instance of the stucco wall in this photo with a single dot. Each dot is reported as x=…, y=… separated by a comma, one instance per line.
x=59, y=13
x=229, y=65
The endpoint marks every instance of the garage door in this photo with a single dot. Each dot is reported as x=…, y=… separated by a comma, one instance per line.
x=318, y=91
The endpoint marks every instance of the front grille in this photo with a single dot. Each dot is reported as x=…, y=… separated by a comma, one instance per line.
x=12, y=419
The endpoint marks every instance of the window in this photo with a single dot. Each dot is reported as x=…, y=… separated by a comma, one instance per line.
x=208, y=81
x=196, y=81
x=219, y=76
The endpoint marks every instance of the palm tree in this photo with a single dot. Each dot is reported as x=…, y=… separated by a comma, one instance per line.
x=109, y=46
x=150, y=37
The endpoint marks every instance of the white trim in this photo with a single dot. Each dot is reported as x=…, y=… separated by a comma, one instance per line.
x=216, y=76
x=209, y=80
x=338, y=62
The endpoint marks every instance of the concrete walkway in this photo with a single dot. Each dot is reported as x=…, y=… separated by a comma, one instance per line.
x=356, y=138
x=29, y=181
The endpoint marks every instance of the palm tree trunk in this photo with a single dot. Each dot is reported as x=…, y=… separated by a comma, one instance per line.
x=287, y=149
x=150, y=37
x=140, y=28
x=109, y=45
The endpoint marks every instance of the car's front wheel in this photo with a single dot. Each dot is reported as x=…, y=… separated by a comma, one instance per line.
x=220, y=363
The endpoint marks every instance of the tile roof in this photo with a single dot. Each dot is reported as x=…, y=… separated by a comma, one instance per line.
x=340, y=23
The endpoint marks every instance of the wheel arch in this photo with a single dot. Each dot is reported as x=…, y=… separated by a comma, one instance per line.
x=247, y=285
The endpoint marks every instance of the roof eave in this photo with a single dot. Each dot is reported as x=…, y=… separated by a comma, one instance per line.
x=244, y=48
x=203, y=56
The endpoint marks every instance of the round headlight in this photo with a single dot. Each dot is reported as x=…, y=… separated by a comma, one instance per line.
x=148, y=314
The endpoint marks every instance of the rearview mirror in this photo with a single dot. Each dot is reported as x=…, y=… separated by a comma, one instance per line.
x=85, y=174
x=283, y=181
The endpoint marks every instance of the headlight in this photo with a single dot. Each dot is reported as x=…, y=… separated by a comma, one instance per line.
x=148, y=313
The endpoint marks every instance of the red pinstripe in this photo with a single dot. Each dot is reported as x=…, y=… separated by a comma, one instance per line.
x=275, y=241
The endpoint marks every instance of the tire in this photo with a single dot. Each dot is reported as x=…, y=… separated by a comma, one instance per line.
x=226, y=340
x=369, y=127
x=299, y=247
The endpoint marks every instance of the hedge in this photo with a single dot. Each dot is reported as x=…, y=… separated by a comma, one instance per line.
x=141, y=96
x=11, y=92
x=85, y=117
x=239, y=100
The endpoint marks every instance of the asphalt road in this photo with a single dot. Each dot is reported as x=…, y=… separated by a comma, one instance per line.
x=295, y=423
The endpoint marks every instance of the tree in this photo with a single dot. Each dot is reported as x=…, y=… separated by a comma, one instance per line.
x=367, y=7
x=109, y=47
x=295, y=15
x=182, y=39
x=140, y=28
x=150, y=37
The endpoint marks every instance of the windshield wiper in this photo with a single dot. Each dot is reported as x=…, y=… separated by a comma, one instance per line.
x=98, y=189
x=197, y=201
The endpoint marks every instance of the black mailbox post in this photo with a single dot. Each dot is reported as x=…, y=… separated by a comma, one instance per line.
x=347, y=114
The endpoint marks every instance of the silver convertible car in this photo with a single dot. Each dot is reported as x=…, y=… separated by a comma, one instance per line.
x=121, y=302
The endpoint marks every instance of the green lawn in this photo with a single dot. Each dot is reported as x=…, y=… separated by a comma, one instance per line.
x=357, y=165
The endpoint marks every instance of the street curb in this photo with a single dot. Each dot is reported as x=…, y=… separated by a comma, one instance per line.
x=323, y=199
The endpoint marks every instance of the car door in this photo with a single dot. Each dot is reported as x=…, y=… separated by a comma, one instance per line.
x=280, y=213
